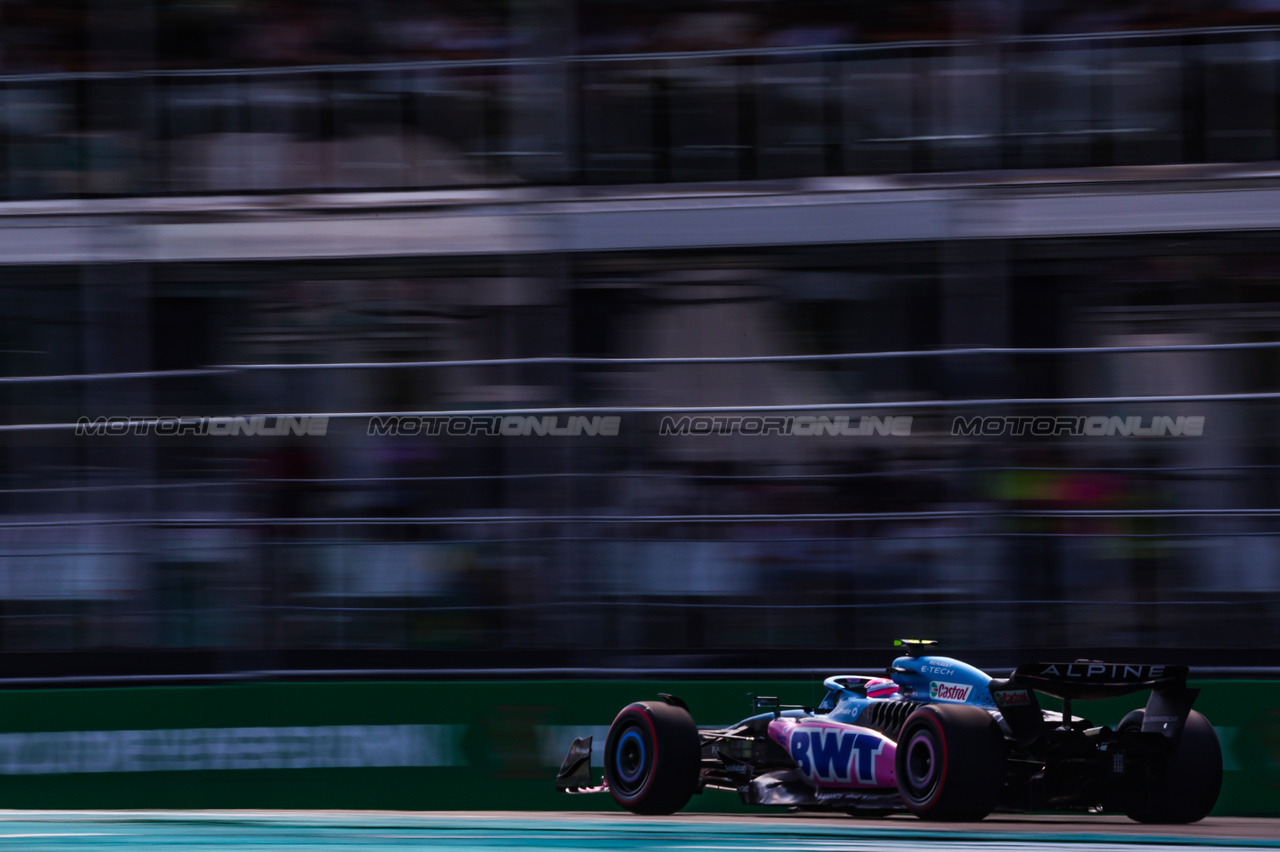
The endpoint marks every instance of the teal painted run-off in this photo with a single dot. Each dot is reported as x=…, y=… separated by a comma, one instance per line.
x=431, y=745
x=161, y=832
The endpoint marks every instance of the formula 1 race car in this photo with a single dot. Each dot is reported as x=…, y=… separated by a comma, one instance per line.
x=937, y=738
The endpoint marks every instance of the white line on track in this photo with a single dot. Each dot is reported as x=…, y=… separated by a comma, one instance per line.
x=64, y=834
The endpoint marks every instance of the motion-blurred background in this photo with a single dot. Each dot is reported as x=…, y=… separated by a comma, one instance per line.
x=266, y=187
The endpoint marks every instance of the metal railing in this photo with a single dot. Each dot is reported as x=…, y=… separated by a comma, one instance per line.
x=1151, y=97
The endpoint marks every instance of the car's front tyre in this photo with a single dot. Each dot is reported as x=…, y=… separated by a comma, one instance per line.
x=652, y=758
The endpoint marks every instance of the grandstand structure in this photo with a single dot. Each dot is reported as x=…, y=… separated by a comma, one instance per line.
x=1053, y=226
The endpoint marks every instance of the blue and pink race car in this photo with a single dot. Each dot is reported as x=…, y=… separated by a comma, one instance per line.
x=936, y=737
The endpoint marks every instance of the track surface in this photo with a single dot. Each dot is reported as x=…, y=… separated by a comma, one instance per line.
x=319, y=830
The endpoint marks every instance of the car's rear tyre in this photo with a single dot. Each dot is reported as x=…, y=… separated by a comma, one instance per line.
x=1185, y=787
x=950, y=763
x=652, y=758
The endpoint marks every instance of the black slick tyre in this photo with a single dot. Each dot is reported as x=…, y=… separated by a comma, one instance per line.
x=652, y=758
x=950, y=763
x=1182, y=788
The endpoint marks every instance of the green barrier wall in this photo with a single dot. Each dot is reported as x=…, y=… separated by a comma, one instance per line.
x=456, y=745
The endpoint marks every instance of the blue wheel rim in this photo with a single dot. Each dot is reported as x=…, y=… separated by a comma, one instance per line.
x=629, y=756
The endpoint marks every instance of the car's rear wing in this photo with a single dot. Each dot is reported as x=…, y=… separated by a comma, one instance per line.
x=1085, y=680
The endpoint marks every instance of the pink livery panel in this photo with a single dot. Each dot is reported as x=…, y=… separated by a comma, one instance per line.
x=832, y=754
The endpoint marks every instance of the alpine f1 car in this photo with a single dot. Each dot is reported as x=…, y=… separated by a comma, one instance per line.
x=937, y=738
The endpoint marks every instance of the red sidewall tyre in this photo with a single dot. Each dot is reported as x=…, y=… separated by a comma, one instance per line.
x=922, y=763
x=652, y=758
x=950, y=763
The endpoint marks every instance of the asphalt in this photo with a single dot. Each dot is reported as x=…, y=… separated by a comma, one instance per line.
x=261, y=831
